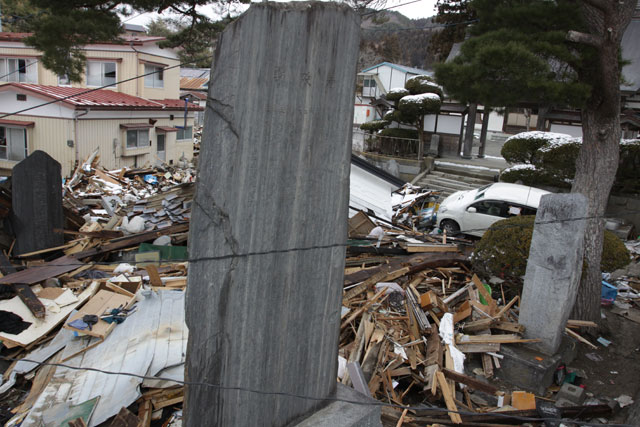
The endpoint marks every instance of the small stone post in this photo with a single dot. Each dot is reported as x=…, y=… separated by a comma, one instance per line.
x=553, y=269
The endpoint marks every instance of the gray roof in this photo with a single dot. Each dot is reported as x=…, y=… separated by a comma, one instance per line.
x=631, y=53
x=404, y=68
x=134, y=27
x=195, y=73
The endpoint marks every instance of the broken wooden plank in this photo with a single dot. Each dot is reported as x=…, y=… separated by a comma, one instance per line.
x=447, y=393
x=30, y=299
x=154, y=277
x=580, y=338
x=478, y=347
x=42, y=272
x=469, y=381
x=429, y=247
x=500, y=339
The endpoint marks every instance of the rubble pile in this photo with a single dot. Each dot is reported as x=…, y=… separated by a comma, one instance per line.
x=421, y=329
x=111, y=298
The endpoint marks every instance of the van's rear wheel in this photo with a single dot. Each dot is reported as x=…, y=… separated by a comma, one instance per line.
x=451, y=227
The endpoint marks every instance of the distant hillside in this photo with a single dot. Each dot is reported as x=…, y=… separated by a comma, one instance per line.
x=390, y=36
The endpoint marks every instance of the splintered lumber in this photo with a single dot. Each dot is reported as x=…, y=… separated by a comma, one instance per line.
x=504, y=309
x=381, y=276
x=581, y=324
x=580, y=338
x=487, y=365
x=154, y=277
x=478, y=347
x=359, y=311
x=435, y=350
x=463, y=312
x=478, y=325
x=508, y=326
x=430, y=247
x=30, y=299
x=417, y=313
x=485, y=294
x=500, y=339
x=456, y=294
x=447, y=393
x=469, y=381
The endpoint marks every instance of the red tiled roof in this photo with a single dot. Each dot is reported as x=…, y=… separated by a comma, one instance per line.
x=193, y=82
x=178, y=104
x=100, y=99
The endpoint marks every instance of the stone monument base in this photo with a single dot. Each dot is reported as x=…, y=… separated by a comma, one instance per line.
x=530, y=369
x=342, y=414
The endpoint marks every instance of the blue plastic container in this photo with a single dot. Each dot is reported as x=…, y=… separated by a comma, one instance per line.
x=609, y=293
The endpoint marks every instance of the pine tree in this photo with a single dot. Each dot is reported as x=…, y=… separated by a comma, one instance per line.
x=455, y=16
x=564, y=53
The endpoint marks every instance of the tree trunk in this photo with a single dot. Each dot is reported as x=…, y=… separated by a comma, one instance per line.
x=483, y=132
x=542, y=118
x=468, y=135
x=597, y=161
x=420, y=138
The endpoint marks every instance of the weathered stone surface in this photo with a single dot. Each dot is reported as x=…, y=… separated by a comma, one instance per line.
x=36, y=198
x=553, y=269
x=343, y=414
x=274, y=171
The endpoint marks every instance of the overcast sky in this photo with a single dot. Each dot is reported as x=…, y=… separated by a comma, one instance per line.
x=416, y=10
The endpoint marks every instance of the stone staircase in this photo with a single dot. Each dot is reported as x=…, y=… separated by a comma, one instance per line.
x=450, y=178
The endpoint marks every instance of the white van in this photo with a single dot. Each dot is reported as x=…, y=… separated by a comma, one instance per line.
x=472, y=212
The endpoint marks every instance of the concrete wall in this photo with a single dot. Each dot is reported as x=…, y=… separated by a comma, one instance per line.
x=405, y=169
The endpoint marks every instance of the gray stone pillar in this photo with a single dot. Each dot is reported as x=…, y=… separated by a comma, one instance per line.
x=269, y=220
x=553, y=269
x=36, y=198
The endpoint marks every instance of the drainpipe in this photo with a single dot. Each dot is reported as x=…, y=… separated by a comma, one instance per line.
x=75, y=131
x=137, y=65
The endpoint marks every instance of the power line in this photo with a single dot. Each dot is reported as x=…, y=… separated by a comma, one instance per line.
x=428, y=27
x=299, y=396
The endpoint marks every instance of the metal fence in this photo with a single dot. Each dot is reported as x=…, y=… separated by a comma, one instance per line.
x=389, y=146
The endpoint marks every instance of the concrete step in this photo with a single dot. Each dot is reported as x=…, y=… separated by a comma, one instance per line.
x=465, y=170
x=444, y=185
x=461, y=181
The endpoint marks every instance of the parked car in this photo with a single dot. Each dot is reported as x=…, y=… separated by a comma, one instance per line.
x=472, y=212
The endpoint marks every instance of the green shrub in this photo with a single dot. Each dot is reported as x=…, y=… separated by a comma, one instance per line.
x=529, y=175
x=504, y=249
x=419, y=105
x=374, y=126
x=523, y=147
x=422, y=84
x=396, y=94
x=560, y=160
x=399, y=133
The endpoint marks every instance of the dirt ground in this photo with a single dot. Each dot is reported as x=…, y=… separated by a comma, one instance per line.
x=617, y=370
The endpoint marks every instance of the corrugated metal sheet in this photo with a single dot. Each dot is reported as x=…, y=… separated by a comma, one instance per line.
x=150, y=339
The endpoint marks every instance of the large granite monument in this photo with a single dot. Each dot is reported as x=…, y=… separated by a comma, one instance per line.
x=269, y=221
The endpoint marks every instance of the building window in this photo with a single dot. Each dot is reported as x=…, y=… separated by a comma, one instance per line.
x=156, y=79
x=13, y=143
x=185, y=133
x=22, y=70
x=101, y=73
x=138, y=138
